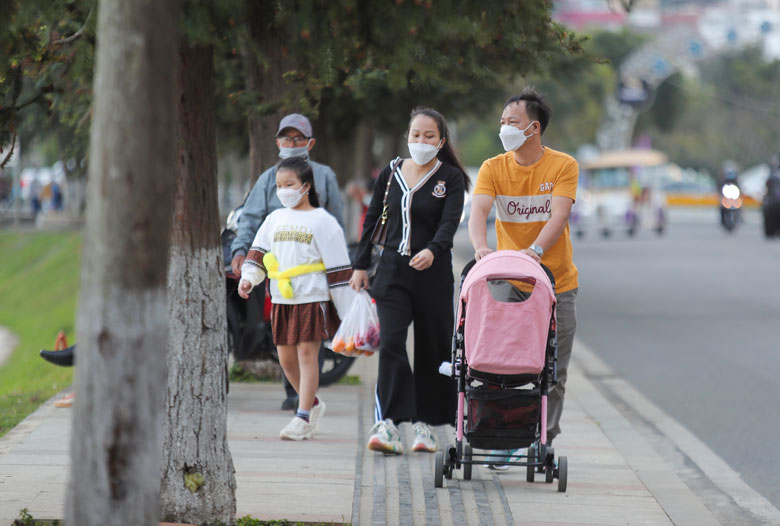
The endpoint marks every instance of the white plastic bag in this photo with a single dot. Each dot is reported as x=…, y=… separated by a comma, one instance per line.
x=359, y=330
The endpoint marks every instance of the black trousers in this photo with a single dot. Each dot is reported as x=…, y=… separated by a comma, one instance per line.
x=403, y=295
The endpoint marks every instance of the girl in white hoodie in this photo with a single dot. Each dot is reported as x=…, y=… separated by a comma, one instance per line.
x=301, y=248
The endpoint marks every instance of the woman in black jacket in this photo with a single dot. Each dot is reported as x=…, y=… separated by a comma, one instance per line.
x=414, y=282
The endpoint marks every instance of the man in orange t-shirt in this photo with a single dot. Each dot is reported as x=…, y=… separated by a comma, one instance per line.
x=533, y=188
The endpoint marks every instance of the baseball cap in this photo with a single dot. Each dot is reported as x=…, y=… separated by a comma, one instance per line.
x=297, y=121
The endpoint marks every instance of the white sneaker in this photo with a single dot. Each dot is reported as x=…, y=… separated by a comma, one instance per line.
x=316, y=413
x=297, y=429
x=423, y=438
x=386, y=438
x=504, y=458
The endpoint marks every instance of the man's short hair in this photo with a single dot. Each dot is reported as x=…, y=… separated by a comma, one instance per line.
x=535, y=106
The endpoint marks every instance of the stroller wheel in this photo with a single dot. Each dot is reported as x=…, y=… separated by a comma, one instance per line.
x=438, y=470
x=530, y=470
x=467, y=465
x=563, y=468
x=549, y=473
x=449, y=454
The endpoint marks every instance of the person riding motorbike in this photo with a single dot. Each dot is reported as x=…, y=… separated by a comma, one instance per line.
x=730, y=196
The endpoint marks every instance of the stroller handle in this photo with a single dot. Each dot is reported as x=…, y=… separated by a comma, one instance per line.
x=473, y=262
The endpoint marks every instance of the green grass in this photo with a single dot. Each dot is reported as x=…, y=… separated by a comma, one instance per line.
x=349, y=379
x=39, y=281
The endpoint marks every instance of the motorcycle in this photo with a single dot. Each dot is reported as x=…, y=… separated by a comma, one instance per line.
x=249, y=327
x=730, y=205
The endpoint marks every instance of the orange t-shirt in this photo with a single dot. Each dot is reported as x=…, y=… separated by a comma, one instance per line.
x=523, y=198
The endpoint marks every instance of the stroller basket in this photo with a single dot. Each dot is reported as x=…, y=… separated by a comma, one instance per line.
x=502, y=418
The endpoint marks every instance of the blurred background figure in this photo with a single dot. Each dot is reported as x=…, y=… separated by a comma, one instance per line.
x=360, y=197
x=36, y=187
x=770, y=206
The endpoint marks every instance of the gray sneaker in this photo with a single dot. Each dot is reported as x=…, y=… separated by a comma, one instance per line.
x=424, y=439
x=316, y=413
x=385, y=438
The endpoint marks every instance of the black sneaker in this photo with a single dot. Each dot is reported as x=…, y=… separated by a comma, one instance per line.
x=290, y=404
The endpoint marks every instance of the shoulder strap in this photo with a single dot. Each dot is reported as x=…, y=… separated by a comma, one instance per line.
x=393, y=166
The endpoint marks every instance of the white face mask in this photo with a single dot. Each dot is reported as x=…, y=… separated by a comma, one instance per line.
x=290, y=197
x=287, y=152
x=422, y=153
x=512, y=138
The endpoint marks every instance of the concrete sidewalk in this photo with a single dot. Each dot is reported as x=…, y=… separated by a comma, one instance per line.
x=615, y=476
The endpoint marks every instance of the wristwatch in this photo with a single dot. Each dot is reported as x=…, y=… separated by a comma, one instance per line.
x=537, y=249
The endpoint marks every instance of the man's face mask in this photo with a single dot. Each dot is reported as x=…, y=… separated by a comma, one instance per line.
x=287, y=148
x=513, y=138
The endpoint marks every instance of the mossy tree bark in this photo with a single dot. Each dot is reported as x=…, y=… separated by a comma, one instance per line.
x=198, y=483
x=122, y=322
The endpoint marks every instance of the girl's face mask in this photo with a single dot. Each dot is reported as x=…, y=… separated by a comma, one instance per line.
x=290, y=197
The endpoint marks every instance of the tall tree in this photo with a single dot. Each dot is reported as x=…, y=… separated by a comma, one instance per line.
x=122, y=323
x=198, y=483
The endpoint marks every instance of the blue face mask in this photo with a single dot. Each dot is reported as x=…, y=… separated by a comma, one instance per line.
x=287, y=152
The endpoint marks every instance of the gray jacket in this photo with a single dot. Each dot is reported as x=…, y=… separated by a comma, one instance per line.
x=262, y=201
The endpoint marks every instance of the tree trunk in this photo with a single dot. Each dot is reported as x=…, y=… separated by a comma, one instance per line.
x=198, y=483
x=266, y=81
x=123, y=320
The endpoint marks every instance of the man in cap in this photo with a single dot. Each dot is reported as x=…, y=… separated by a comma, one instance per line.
x=294, y=139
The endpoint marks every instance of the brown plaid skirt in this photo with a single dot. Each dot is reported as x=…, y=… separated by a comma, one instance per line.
x=304, y=322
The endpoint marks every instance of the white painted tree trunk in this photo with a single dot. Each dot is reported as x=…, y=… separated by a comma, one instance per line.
x=122, y=323
x=198, y=483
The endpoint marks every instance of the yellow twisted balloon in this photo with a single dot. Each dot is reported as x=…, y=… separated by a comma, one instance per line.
x=283, y=278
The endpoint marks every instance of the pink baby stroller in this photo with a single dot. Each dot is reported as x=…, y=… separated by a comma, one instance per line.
x=504, y=359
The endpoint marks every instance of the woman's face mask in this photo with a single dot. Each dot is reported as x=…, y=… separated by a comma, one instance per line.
x=513, y=138
x=423, y=153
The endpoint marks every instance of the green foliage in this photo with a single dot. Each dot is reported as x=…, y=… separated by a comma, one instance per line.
x=348, y=62
x=670, y=102
x=46, y=63
x=342, y=60
x=729, y=112
x=349, y=379
x=39, y=280
x=194, y=481
x=241, y=374
x=614, y=46
x=575, y=89
x=25, y=518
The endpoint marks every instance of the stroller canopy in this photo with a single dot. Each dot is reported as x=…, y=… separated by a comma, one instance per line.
x=504, y=336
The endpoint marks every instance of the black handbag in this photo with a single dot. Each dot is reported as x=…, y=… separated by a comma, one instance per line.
x=379, y=235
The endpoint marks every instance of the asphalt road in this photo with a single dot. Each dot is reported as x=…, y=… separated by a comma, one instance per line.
x=691, y=319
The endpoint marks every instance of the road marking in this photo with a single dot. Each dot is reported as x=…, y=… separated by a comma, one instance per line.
x=714, y=468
